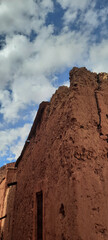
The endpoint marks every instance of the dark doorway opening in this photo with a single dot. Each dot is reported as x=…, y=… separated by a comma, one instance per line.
x=39, y=198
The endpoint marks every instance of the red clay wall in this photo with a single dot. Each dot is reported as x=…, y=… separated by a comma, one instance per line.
x=67, y=158
x=2, y=195
x=7, y=195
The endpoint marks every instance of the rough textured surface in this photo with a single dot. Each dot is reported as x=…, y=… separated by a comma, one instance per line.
x=67, y=158
x=3, y=171
x=3, y=174
x=7, y=175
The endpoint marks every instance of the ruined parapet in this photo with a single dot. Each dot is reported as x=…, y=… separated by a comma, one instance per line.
x=82, y=77
x=11, y=175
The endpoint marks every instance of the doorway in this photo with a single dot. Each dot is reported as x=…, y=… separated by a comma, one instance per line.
x=39, y=199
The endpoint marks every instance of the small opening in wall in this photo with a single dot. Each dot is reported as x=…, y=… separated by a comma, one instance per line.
x=12, y=184
x=39, y=199
x=62, y=211
x=75, y=84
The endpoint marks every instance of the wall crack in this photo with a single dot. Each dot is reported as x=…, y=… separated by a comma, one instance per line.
x=99, y=126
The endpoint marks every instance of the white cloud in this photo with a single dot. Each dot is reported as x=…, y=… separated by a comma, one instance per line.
x=69, y=16
x=66, y=83
x=28, y=67
x=78, y=4
x=23, y=16
x=83, y=13
x=13, y=139
x=10, y=159
x=91, y=18
x=103, y=13
x=95, y=17
x=23, y=75
x=99, y=57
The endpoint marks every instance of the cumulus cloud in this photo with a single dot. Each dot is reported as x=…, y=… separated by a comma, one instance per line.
x=28, y=67
x=83, y=15
x=91, y=18
x=99, y=56
x=22, y=79
x=23, y=16
x=72, y=9
x=12, y=140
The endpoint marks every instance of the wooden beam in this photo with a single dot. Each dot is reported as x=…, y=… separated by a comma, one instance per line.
x=3, y=217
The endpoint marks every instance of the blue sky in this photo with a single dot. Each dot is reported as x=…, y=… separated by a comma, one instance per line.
x=40, y=41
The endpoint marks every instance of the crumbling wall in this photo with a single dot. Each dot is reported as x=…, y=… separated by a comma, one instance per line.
x=66, y=158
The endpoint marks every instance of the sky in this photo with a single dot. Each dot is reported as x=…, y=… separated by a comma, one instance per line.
x=40, y=42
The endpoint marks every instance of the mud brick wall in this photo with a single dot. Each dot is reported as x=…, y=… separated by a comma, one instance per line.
x=66, y=158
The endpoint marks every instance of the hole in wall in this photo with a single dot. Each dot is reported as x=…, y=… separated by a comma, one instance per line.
x=62, y=211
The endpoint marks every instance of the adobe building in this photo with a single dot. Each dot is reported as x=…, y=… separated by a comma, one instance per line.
x=58, y=188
